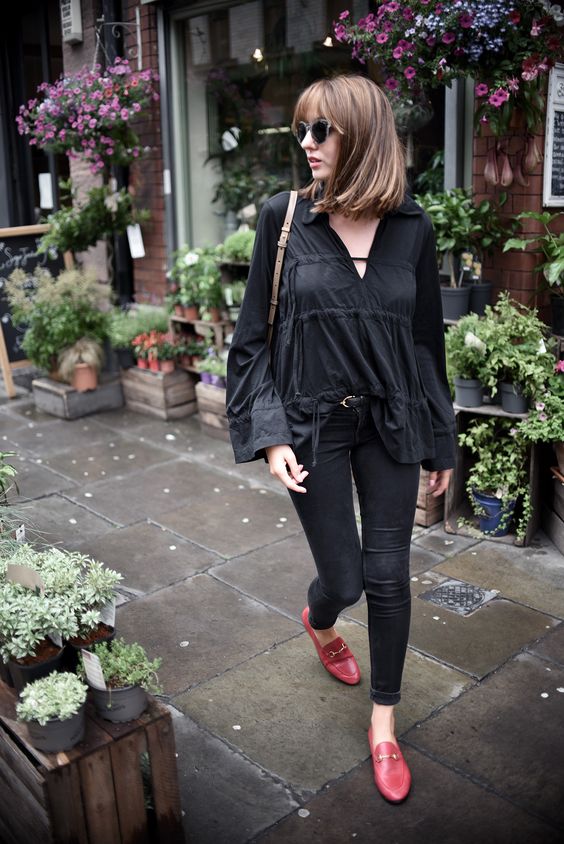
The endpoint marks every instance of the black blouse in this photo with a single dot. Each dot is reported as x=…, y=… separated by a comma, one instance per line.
x=337, y=334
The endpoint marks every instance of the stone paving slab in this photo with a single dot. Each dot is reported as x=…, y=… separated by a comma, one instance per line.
x=552, y=646
x=60, y=435
x=222, y=628
x=152, y=492
x=34, y=480
x=447, y=544
x=523, y=574
x=230, y=518
x=23, y=409
x=300, y=723
x=57, y=521
x=508, y=737
x=420, y=559
x=226, y=798
x=476, y=644
x=278, y=575
x=116, y=456
x=442, y=808
x=148, y=556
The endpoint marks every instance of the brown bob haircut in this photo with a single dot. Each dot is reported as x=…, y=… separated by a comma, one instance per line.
x=369, y=178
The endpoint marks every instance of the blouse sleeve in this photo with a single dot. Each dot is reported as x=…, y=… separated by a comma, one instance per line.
x=428, y=336
x=254, y=410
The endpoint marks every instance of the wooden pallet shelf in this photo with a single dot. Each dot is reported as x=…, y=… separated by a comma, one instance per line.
x=94, y=793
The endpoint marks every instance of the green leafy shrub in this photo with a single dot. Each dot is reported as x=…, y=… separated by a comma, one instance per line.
x=124, y=325
x=238, y=246
x=55, y=696
x=466, y=348
x=126, y=664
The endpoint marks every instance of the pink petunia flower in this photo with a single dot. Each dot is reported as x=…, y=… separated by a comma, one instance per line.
x=542, y=417
x=559, y=367
x=448, y=38
x=392, y=7
x=539, y=405
x=392, y=85
x=382, y=37
x=410, y=72
x=465, y=20
x=397, y=52
x=481, y=89
x=344, y=15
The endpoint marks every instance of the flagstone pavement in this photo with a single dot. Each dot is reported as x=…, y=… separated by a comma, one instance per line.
x=270, y=747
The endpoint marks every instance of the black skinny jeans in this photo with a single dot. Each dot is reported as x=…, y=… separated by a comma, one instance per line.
x=387, y=492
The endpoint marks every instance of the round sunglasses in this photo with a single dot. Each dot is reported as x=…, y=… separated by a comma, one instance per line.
x=320, y=130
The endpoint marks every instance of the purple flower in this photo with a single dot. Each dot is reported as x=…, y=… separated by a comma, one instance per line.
x=391, y=84
x=340, y=32
x=542, y=417
x=397, y=52
x=539, y=405
x=465, y=20
x=344, y=15
x=448, y=38
x=382, y=37
x=481, y=89
x=392, y=7
x=410, y=72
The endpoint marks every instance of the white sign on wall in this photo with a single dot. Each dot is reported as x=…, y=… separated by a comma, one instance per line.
x=553, y=188
x=71, y=21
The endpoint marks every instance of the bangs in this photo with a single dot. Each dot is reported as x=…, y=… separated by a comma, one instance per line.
x=314, y=102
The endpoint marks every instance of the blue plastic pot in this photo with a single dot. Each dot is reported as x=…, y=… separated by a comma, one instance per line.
x=494, y=511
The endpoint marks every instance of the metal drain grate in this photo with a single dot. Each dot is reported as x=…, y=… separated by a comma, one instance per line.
x=458, y=596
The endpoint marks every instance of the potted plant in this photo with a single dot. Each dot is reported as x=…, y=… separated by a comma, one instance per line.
x=210, y=293
x=233, y=294
x=128, y=676
x=80, y=364
x=519, y=357
x=213, y=369
x=498, y=477
x=126, y=324
x=466, y=351
x=461, y=226
x=53, y=710
x=237, y=249
x=27, y=623
x=57, y=311
x=184, y=275
x=545, y=423
x=550, y=245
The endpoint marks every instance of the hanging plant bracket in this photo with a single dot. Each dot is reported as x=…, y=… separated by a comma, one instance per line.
x=118, y=30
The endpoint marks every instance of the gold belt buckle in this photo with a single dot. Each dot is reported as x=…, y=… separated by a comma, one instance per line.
x=344, y=401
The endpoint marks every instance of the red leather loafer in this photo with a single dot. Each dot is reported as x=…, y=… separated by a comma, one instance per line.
x=336, y=656
x=391, y=774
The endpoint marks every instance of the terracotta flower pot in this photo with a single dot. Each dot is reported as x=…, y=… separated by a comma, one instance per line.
x=85, y=377
x=154, y=365
x=167, y=365
x=186, y=360
x=179, y=310
x=142, y=364
x=215, y=314
x=191, y=312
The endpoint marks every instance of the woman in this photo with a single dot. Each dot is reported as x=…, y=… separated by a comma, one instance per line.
x=355, y=379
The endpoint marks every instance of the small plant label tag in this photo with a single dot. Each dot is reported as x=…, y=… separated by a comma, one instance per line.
x=94, y=673
x=56, y=638
x=135, y=239
x=25, y=577
x=108, y=614
x=20, y=533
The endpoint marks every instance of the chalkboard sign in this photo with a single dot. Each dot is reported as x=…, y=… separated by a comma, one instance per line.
x=18, y=250
x=553, y=187
x=557, y=174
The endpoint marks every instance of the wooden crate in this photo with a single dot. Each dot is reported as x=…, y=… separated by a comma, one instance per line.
x=92, y=794
x=63, y=401
x=168, y=395
x=429, y=510
x=553, y=514
x=211, y=411
x=457, y=505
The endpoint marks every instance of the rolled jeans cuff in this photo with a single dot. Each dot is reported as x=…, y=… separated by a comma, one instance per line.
x=385, y=698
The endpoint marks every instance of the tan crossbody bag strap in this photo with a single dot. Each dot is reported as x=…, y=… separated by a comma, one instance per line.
x=282, y=244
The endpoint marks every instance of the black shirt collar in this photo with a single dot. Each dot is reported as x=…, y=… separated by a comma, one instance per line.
x=408, y=207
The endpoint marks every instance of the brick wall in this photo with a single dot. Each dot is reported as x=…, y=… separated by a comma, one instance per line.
x=146, y=177
x=513, y=271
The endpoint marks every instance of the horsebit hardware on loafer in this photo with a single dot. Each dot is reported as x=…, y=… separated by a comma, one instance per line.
x=382, y=756
x=340, y=651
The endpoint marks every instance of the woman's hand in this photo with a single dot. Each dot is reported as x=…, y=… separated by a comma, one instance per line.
x=285, y=467
x=439, y=481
